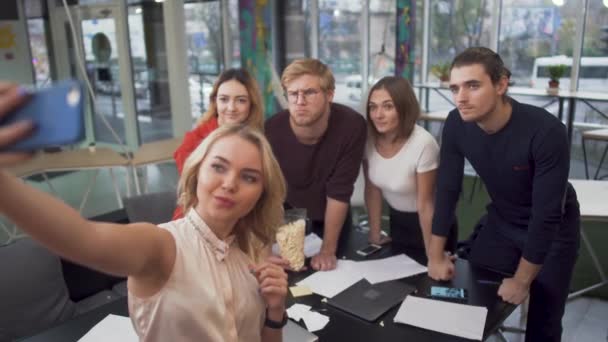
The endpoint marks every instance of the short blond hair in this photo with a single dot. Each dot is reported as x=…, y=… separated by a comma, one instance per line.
x=255, y=232
x=309, y=66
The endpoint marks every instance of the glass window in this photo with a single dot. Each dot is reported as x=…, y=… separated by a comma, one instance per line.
x=455, y=26
x=204, y=44
x=340, y=47
x=593, y=77
x=234, y=32
x=593, y=72
x=37, y=19
x=531, y=30
x=297, y=21
x=382, y=40
x=418, y=46
x=40, y=55
x=150, y=73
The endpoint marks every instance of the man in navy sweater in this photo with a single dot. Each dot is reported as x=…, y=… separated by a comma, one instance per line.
x=531, y=230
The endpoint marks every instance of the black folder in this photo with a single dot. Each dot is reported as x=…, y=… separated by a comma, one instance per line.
x=368, y=301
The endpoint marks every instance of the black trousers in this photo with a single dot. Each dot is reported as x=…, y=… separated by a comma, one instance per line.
x=499, y=246
x=406, y=232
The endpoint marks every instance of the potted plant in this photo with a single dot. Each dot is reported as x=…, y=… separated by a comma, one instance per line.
x=556, y=72
x=442, y=72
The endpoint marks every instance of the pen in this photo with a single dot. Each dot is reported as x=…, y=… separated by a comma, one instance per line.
x=489, y=282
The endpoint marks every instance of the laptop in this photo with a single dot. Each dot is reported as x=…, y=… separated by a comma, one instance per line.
x=293, y=332
x=368, y=301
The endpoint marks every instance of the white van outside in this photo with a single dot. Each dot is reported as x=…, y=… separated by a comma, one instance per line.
x=593, y=73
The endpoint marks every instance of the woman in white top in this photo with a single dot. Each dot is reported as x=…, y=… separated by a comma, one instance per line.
x=200, y=278
x=400, y=164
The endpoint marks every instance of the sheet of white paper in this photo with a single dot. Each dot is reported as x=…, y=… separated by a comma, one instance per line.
x=395, y=267
x=315, y=321
x=296, y=311
x=112, y=328
x=312, y=245
x=450, y=318
x=330, y=283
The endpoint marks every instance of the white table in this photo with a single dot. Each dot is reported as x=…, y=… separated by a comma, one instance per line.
x=72, y=160
x=438, y=116
x=156, y=152
x=560, y=96
x=598, y=135
x=75, y=160
x=593, y=199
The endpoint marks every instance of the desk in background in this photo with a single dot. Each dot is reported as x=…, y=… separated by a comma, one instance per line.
x=72, y=160
x=561, y=96
x=75, y=160
x=156, y=152
x=342, y=326
x=593, y=200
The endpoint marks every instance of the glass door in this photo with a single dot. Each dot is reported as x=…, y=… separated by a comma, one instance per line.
x=102, y=49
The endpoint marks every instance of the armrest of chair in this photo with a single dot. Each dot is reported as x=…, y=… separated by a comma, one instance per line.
x=155, y=208
x=83, y=282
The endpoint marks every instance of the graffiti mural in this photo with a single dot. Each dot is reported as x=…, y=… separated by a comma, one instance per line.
x=406, y=37
x=256, y=46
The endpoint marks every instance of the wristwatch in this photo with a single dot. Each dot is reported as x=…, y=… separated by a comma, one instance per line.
x=274, y=324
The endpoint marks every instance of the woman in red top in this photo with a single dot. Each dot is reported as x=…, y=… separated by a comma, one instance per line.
x=235, y=98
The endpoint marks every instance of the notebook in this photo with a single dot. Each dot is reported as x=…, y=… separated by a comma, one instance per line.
x=368, y=301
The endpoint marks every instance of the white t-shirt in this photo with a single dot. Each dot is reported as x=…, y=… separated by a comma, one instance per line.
x=396, y=176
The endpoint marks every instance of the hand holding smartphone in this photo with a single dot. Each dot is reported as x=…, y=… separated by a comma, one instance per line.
x=57, y=116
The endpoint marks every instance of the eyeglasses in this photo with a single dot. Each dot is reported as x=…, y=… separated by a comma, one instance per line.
x=307, y=94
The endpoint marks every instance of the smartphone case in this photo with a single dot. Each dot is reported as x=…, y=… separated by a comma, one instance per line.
x=448, y=296
x=57, y=113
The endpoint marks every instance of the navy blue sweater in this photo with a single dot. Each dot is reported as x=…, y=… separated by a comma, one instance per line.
x=524, y=167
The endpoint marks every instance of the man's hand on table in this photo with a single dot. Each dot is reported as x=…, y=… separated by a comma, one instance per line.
x=442, y=268
x=324, y=261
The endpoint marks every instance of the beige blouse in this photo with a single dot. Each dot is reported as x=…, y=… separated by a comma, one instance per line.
x=210, y=294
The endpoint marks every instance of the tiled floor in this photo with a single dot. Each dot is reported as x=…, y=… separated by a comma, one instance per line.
x=585, y=320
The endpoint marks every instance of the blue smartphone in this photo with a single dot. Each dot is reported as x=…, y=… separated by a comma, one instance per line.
x=455, y=293
x=57, y=114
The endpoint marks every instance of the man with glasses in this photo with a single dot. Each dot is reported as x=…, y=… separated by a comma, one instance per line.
x=319, y=145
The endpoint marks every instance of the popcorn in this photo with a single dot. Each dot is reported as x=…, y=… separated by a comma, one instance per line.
x=290, y=238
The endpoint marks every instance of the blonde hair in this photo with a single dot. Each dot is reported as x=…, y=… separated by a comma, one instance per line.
x=309, y=66
x=255, y=231
x=256, y=112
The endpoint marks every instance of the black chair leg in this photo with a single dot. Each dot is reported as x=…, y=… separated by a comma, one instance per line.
x=473, y=189
x=585, y=158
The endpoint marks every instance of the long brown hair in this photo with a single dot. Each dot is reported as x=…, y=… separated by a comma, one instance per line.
x=256, y=112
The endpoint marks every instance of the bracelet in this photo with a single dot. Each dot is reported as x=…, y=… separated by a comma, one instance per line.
x=274, y=324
